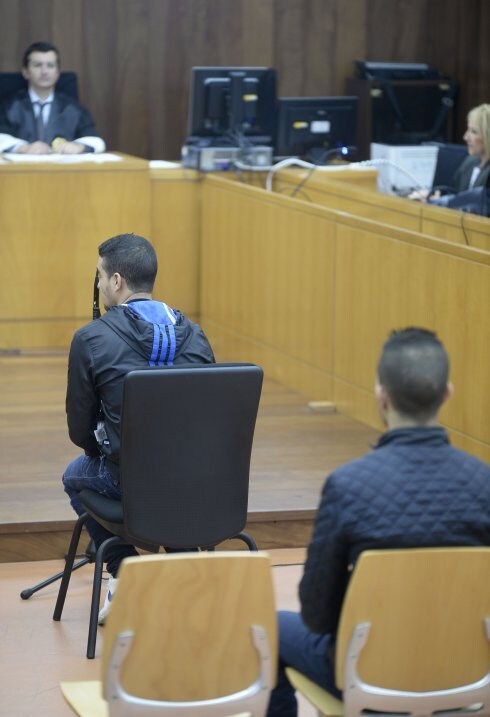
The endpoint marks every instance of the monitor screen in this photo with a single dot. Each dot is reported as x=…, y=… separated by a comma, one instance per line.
x=233, y=102
x=314, y=127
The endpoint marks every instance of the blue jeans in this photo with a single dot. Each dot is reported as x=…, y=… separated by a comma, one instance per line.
x=89, y=472
x=308, y=653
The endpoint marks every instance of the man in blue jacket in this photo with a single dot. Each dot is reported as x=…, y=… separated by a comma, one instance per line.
x=40, y=120
x=134, y=333
x=413, y=490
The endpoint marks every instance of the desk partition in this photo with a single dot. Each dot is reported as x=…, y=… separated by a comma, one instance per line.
x=308, y=291
x=311, y=294
x=52, y=219
x=324, y=189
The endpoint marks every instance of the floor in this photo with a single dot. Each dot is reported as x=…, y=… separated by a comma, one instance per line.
x=36, y=653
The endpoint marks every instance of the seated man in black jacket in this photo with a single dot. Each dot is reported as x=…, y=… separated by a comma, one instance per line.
x=39, y=120
x=134, y=333
x=413, y=490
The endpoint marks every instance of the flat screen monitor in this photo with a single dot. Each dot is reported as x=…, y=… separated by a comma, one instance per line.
x=315, y=127
x=227, y=103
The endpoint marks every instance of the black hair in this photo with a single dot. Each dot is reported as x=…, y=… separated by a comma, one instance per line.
x=414, y=370
x=39, y=47
x=133, y=257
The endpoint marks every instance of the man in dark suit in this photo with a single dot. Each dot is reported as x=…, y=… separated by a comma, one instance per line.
x=39, y=120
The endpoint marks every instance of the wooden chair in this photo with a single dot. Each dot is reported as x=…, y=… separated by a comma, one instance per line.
x=188, y=634
x=414, y=636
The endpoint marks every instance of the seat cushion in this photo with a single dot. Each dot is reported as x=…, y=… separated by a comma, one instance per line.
x=104, y=510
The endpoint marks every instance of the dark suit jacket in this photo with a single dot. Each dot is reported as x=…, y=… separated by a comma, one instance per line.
x=67, y=119
x=463, y=174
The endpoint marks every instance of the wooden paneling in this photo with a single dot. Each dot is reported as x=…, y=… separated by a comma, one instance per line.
x=425, y=287
x=460, y=227
x=312, y=294
x=133, y=57
x=325, y=189
x=52, y=219
x=175, y=234
x=270, y=278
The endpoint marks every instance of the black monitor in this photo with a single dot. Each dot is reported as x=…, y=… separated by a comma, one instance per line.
x=316, y=127
x=230, y=103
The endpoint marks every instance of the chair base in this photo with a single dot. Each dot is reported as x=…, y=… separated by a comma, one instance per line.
x=86, y=558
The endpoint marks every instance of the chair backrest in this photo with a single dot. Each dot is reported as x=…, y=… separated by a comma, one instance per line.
x=427, y=610
x=11, y=82
x=186, y=444
x=191, y=617
x=449, y=157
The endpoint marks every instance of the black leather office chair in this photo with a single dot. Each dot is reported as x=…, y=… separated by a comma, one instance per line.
x=186, y=443
x=11, y=82
x=449, y=157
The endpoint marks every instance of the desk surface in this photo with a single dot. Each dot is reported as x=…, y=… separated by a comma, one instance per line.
x=81, y=163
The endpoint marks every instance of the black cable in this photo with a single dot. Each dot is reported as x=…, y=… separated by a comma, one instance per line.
x=344, y=151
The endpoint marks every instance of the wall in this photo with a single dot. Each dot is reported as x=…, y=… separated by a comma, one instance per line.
x=134, y=57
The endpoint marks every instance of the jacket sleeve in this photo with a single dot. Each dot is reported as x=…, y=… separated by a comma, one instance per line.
x=82, y=400
x=326, y=572
x=8, y=130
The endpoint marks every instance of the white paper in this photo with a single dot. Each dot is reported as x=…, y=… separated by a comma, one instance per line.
x=61, y=158
x=163, y=164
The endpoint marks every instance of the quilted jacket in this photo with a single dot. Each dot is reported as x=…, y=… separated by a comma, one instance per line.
x=413, y=490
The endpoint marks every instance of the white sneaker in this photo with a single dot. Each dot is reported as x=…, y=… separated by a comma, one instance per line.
x=104, y=611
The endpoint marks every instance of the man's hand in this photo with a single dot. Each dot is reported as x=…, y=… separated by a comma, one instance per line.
x=71, y=148
x=34, y=148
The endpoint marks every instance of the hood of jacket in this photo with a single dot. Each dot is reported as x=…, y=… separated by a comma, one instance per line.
x=154, y=330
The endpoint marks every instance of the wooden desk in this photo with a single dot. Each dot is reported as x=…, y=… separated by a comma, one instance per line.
x=52, y=219
x=325, y=189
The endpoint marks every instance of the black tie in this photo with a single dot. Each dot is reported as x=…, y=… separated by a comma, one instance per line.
x=40, y=120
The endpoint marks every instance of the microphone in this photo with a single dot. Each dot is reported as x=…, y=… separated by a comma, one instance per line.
x=95, y=304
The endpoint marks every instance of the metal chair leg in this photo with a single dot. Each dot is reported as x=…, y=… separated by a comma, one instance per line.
x=252, y=545
x=96, y=590
x=70, y=559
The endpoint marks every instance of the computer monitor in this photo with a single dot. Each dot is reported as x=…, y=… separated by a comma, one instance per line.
x=233, y=104
x=315, y=127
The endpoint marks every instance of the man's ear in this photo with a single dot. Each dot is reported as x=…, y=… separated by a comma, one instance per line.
x=118, y=281
x=381, y=395
x=449, y=391
x=25, y=74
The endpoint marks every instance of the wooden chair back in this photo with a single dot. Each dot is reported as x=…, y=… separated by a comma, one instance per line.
x=191, y=615
x=427, y=609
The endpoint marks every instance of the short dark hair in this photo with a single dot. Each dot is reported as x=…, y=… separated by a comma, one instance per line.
x=39, y=47
x=133, y=257
x=414, y=370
